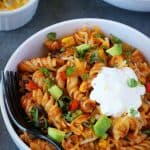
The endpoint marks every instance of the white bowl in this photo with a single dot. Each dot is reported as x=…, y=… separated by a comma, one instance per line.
x=13, y=19
x=33, y=47
x=135, y=5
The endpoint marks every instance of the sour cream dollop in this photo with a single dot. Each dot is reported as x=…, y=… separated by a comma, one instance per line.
x=112, y=92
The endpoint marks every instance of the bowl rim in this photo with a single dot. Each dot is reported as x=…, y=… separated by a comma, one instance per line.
x=19, y=9
x=131, y=5
x=15, y=137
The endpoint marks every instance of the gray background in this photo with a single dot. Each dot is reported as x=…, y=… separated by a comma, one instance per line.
x=53, y=11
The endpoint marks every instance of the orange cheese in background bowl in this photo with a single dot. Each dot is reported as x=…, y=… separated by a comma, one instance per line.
x=11, y=4
x=16, y=13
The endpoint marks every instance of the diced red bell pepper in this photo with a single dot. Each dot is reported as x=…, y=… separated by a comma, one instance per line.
x=74, y=105
x=63, y=76
x=148, y=87
x=31, y=85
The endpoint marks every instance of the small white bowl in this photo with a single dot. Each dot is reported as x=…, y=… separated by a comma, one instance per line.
x=13, y=19
x=134, y=5
x=33, y=46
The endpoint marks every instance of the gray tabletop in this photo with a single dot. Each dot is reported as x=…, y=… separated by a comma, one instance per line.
x=52, y=11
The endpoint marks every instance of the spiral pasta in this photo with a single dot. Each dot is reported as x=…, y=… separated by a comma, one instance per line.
x=36, y=144
x=51, y=107
x=36, y=63
x=125, y=124
x=56, y=93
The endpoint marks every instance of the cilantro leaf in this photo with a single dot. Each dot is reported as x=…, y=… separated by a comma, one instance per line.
x=95, y=58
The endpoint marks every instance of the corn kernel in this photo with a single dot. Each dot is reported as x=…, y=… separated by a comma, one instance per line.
x=103, y=144
x=68, y=41
x=106, y=43
x=83, y=87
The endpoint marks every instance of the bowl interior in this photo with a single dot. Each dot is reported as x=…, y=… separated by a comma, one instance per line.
x=34, y=47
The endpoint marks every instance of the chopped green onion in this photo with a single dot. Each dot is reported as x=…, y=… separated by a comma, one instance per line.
x=55, y=91
x=115, y=39
x=133, y=112
x=76, y=114
x=115, y=50
x=35, y=115
x=132, y=82
x=85, y=76
x=101, y=126
x=56, y=134
x=147, y=132
x=70, y=70
x=69, y=116
x=45, y=71
x=51, y=36
x=98, y=35
x=81, y=50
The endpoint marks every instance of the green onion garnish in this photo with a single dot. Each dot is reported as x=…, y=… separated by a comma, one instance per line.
x=132, y=82
x=70, y=116
x=133, y=112
x=70, y=70
x=51, y=36
x=45, y=71
x=35, y=115
x=85, y=76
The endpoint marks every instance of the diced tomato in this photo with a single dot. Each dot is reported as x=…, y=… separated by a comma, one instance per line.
x=32, y=86
x=63, y=76
x=148, y=87
x=74, y=105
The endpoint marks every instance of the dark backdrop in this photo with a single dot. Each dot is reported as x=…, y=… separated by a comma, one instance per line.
x=52, y=11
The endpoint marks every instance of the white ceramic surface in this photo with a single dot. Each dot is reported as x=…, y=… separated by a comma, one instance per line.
x=33, y=47
x=135, y=5
x=13, y=19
